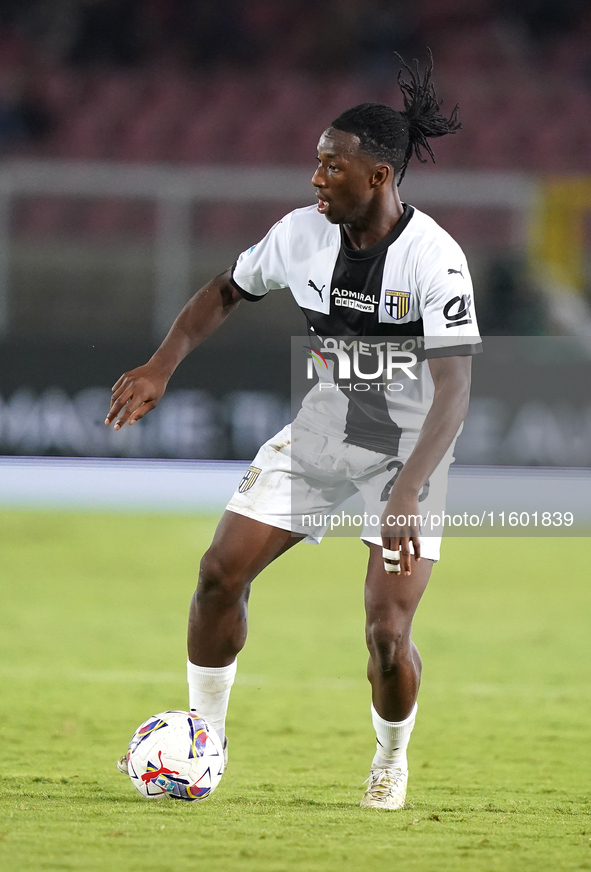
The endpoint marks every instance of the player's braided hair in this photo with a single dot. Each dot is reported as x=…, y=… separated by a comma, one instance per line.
x=392, y=136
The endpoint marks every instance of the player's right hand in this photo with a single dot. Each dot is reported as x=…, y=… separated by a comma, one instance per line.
x=135, y=394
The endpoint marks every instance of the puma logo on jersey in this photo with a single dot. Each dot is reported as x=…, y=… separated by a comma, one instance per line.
x=456, y=271
x=318, y=290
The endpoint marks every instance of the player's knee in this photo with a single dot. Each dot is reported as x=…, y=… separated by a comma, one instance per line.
x=387, y=645
x=218, y=577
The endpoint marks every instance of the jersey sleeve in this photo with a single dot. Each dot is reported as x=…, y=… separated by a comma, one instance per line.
x=447, y=303
x=263, y=267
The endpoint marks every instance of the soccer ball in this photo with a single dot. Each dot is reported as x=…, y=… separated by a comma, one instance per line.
x=176, y=754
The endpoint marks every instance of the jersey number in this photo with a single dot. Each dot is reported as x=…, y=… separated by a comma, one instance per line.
x=398, y=465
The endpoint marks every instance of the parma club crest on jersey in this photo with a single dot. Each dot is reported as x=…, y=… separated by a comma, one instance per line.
x=248, y=479
x=397, y=304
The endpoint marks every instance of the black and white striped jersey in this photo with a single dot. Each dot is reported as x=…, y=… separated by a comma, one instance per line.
x=411, y=291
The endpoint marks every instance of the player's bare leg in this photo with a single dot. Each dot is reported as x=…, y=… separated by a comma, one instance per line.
x=241, y=549
x=391, y=601
x=394, y=671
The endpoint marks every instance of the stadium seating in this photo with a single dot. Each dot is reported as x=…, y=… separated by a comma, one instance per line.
x=520, y=108
x=119, y=116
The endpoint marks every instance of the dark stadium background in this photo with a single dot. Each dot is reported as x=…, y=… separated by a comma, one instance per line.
x=145, y=95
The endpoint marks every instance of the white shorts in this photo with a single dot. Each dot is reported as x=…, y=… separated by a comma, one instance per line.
x=297, y=485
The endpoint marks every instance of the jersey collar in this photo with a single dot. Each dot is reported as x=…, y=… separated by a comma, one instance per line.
x=383, y=244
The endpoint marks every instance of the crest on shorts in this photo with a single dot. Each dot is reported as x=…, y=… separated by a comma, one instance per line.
x=248, y=479
x=397, y=303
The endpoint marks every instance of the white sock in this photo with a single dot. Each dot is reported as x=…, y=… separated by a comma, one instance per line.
x=209, y=693
x=393, y=738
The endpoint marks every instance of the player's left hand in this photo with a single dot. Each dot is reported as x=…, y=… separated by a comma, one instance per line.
x=400, y=527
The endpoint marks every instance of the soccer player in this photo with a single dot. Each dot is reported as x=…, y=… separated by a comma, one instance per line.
x=360, y=264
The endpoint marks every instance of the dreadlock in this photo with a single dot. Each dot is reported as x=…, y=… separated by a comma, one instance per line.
x=392, y=136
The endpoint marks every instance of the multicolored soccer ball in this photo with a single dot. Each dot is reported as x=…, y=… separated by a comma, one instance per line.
x=176, y=754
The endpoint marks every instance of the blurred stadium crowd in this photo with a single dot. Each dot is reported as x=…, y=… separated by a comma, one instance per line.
x=253, y=81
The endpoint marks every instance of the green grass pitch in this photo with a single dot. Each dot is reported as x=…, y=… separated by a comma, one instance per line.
x=93, y=623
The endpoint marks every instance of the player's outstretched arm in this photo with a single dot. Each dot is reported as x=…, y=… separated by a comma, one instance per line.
x=138, y=391
x=451, y=377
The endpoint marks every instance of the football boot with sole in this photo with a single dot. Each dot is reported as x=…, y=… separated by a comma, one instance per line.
x=386, y=788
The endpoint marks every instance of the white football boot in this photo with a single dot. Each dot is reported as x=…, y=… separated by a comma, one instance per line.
x=386, y=788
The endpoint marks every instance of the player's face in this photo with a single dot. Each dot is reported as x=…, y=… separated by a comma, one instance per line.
x=343, y=179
